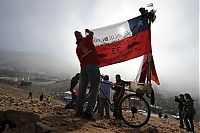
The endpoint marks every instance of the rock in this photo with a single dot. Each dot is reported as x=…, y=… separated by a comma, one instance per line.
x=19, y=121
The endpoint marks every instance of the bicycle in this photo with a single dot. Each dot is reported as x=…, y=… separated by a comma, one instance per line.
x=134, y=109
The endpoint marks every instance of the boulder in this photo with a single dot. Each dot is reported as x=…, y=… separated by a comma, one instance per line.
x=18, y=121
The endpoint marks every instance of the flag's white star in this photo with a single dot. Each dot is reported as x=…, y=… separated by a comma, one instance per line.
x=140, y=23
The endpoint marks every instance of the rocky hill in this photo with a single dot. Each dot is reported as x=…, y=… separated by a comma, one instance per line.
x=32, y=116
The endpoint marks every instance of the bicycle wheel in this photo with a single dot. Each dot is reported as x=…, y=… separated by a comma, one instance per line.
x=135, y=110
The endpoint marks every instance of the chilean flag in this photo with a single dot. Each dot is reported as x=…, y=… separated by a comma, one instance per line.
x=122, y=41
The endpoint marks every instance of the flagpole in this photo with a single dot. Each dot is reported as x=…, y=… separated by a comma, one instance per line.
x=149, y=72
x=149, y=58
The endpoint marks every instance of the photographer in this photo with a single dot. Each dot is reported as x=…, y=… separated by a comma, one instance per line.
x=181, y=104
x=189, y=113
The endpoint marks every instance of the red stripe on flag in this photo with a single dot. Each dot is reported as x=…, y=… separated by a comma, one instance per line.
x=154, y=76
x=144, y=70
x=125, y=49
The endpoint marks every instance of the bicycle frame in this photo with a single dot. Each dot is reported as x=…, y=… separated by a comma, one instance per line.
x=107, y=99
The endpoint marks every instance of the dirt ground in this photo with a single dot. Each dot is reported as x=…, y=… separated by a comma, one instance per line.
x=53, y=118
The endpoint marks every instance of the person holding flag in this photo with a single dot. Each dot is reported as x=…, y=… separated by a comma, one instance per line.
x=90, y=72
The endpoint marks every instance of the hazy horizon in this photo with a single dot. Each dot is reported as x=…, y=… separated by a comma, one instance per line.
x=48, y=27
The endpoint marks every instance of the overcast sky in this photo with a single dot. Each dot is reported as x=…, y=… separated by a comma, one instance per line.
x=47, y=26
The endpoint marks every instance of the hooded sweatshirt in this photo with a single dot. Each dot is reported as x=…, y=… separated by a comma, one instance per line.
x=86, y=51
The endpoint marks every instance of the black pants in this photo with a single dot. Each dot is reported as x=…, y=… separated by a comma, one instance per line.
x=189, y=121
x=117, y=112
x=181, y=117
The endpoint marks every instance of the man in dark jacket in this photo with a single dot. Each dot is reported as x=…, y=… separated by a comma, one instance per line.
x=119, y=88
x=189, y=113
x=181, y=104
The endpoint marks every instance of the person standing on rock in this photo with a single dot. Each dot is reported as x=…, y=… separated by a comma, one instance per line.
x=90, y=72
x=30, y=95
x=41, y=97
x=181, y=104
x=104, y=95
x=49, y=99
x=189, y=113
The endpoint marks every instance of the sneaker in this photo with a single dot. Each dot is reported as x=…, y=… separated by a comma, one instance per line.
x=88, y=116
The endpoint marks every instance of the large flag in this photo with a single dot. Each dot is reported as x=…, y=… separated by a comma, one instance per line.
x=122, y=41
x=148, y=69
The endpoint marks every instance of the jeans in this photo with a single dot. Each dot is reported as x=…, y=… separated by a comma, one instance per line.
x=104, y=105
x=89, y=73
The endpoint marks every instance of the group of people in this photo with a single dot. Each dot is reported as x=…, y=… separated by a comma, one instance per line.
x=186, y=111
x=90, y=74
x=104, y=94
x=41, y=97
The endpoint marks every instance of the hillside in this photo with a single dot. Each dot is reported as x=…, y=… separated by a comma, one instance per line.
x=39, y=117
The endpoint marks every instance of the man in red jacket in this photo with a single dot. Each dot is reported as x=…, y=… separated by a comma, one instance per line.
x=87, y=56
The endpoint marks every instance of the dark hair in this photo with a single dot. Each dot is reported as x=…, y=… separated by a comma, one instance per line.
x=78, y=36
x=106, y=77
x=117, y=75
x=77, y=75
x=181, y=95
x=187, y=96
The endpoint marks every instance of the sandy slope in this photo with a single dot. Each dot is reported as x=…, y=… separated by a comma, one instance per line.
x=55, y=119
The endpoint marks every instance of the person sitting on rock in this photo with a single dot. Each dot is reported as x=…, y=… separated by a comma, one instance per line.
x=74, y=82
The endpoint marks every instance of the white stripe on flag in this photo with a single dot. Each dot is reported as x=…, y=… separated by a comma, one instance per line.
x=112, y=33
